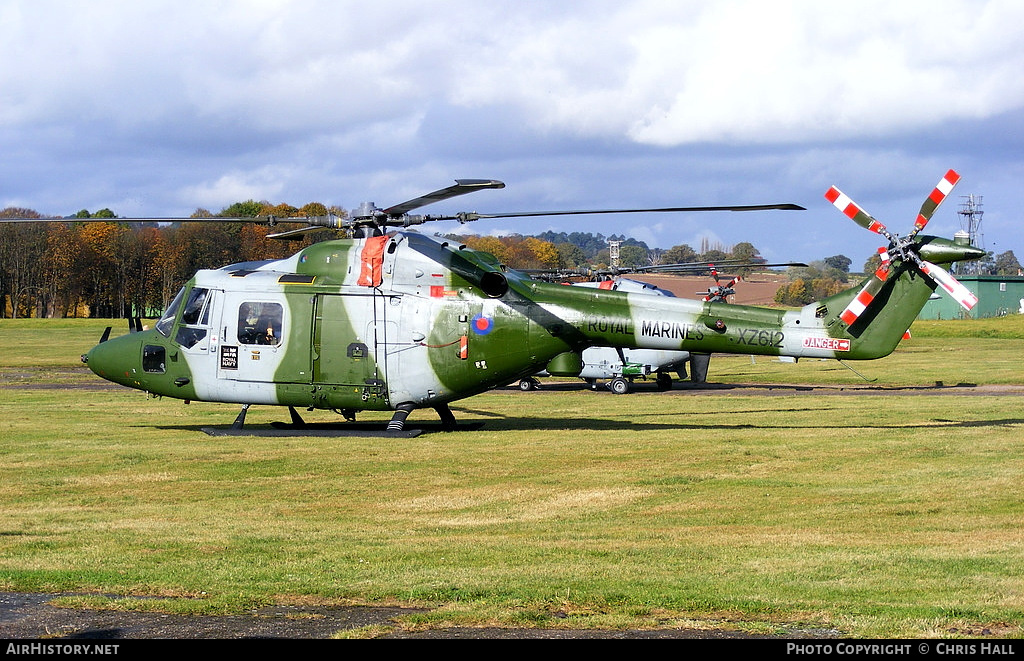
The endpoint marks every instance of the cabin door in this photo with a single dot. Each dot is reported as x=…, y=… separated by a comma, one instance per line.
x=252, y=336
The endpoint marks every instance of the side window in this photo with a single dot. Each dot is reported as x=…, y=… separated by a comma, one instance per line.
x=260, y=323
x=153, y=359
x=189, y=336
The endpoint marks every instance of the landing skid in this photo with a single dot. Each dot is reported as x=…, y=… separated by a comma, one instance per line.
x=327, y=429
x=395, y=428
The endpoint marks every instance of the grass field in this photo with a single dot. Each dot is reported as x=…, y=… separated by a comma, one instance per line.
x=892, y=512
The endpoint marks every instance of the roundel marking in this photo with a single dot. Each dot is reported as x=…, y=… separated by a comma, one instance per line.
x=482, y=325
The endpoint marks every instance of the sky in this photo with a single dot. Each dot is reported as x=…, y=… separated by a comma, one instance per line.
x=155, y=109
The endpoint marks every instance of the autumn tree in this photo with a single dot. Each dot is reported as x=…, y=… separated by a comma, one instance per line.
x=872, y=263
x=744, y=251
x=166, y=255
x=810, y=283
x=207, y=246
x=1006, y=264
x=793, y=293
x=516, y=251
x=100, y=268
x=680, y=254
x=60, y=261
x=491, y=244
x=22, y=246
x=539, y=254
x=632, y=256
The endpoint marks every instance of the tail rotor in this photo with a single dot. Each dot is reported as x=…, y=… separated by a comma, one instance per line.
x=719, y=293
x=903, y=249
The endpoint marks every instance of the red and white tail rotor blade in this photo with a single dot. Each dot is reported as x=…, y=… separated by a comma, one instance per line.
x=868, y=293
x=938, y=194
x=904, y=248
x=951, y=285
x=714, y=294
x=854, y=212
x=719, y=291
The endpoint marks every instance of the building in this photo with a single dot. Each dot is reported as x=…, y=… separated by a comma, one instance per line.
x=998, y=295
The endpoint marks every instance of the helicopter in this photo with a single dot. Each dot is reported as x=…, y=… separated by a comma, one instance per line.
x=621, y=367
x=395, y=320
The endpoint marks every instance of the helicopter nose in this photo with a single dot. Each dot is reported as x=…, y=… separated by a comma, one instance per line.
x=115, y=360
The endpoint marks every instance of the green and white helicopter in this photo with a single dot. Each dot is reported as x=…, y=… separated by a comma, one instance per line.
x=395, y=320
x=619, y=367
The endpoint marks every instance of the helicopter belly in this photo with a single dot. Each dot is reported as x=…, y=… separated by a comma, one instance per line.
x=247, y=392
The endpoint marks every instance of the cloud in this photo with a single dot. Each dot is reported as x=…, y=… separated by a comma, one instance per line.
x=164, y=106
x=257, y=185
x=748, y=72
x=655, y=73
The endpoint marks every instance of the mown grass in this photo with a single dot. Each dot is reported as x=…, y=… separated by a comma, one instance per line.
x=894, y=513
x=1008, y=327
x=981, y=351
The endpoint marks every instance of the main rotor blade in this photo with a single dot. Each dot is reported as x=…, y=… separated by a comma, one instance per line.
x=688, y=268
x=938, y=194
x=263, y=220
x=527, y=214
x=698, y=267
x=296, y=233
x=461, y=187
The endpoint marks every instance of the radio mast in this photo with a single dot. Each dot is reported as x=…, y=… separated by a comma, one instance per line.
x=970, y=223
x=613, y=252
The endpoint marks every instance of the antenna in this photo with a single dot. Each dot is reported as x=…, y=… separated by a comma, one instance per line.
x=613, y=252
x=970, y=222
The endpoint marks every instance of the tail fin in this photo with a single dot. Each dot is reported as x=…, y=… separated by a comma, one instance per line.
x=885, y=309
x=878, y=314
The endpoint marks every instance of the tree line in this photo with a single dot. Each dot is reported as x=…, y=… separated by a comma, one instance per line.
x=831, y=275
x=69, y=268
x=115, y=270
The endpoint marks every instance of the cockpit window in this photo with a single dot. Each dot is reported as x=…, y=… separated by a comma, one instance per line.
x=195, y=318
x=194, y=307
x=260, y=323
x=164, y=325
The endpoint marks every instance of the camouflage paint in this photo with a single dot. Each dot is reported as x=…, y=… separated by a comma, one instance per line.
x=406, y=319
